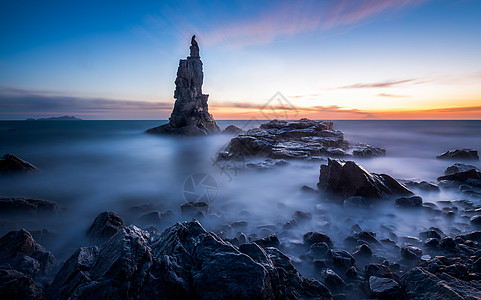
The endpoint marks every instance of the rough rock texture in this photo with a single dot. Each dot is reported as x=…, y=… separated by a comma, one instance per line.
x=232, y=129
x=384, y=288
x=105, y=226
x=190, y=115
x=10, y=164
x=412, y=201
x=463, y=154
x=19, y=251
x=30, y=206
x=301, y=139
x=343, y=179
x=17, y=285
x=458, y=168
x=184, y=262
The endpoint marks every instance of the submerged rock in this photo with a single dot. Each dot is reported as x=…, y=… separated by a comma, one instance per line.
x=462, y=154
x=191, y=113
x=105, y=226
x=412, y=201
x=367, y=151
x=344, y=179
x=30, y=206
x=184, y=262
x=10, y=164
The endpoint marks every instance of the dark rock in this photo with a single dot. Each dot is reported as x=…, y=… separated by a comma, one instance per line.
x=267, y=164
x=448, y=243
x=362, y=252
x=384, y=288
x=191, y=113
x=105, y=226
x=458, y=168
x=378, y=270
x=318, y=249
x=309, y=190
x=462, y=154
x=184, y=262
x=430, y=234
x=156, y=217
x=317, y=237
x=193, y=208
x=475, y=220
x=16, y=285
x=10, y=164
x=232, y=129
x=367, y=151
x=423, y=185
x=351, y=272
x=356, y=202
x=333, y=281
x=22, y=205
x=410, y=252
x=462, y=176
x=341, y=259
x=301, y=216
x=19, y=250
x=412, y=201
x=346, y=179
x=269, y=241
x=476, y=266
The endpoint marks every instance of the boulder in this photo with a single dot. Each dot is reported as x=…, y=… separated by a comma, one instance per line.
x=317, y=237
x=191, y=113
x=10, y=164
x=423, y=185
x=461, y=154
x=194, y=208
x=411, y=201
x=105, y=226
x=411, y=252
x=233, y=130
x=184, y=262
x=28, y=206
x=458, y=168
x=343, y=179
x=475, y=220
x=463, y=176
x=17, y=285
x=384, y=288
x=367, y=151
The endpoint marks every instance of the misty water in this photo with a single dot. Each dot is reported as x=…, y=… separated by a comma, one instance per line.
x=87, y=167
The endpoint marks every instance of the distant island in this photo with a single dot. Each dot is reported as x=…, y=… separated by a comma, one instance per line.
x=62, y=118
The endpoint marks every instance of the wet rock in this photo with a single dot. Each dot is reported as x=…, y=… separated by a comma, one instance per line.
x=232, y=129
x=352, y=272
x=411, y=252
x=475, y=220
x=447, y=243
x=430, y=234
x=317, y=237
x=362, y=252
x=459, y=168
x=378, y=270
x=191, y=112
x=384, y=288
x=30, y=206
x=156, y=217
x=333, y=281
x=367, y=151
x=17, y=285
x=105, y=226
x=461, y=154
x=268, y=241
x=344, y=179
x=194, y=208
x=301, y=216
x=318, y=249
x=19, y=251
x=356, y=202
x=462, y=177
x=423, y=185
x=341, y=259
x=267, y=164
x=10, y=164
x=412, y=201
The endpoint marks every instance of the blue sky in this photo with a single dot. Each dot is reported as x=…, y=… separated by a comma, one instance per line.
x=338, y=59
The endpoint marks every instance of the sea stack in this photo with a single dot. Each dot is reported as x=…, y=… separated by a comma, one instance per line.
x=191, y=113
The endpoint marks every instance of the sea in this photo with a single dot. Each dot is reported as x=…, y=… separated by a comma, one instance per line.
x=88, y=167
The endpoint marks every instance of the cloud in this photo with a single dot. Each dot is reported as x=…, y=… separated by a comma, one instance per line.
x=391, y=95
x=290, y=18
x=385, y=84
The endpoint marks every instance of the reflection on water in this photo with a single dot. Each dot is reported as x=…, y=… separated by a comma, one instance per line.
x=91, y=166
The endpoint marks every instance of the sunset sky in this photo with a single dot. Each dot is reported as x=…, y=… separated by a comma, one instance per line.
x=331, y=59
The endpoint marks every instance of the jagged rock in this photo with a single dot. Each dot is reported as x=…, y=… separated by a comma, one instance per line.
x=458, y=168
x=378, y=270
x=191, y=113
x=475, y=220
x=412, y=201
x=10, y=164
x=268, y=241
x=317, y=237
x=105, y=226
x=194, y=208
x=411, y=252
x=423, y=185
x=17, y=285
x=462, y=177
x=20, y=252
x=30, y=206
x=462, y=154
x=367, y=151
x=384, y=288
x=333, y=281
x=232, y=129
x=184, y=262
x=343, y=179
x=341, y=258
x=267, y=164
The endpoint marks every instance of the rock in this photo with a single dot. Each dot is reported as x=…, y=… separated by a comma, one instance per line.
x=475, y=220
x=419, y=284
x=333, y=281
x=184, y=262
x=462, y=154
x=268, y=241
x=447, y=243
x=317, y=237
x=105, y=226
x=156, y=217
x=16, y=285
x=10, y=164
x=367, y=151
x=356, y=202
x=458, y=168
x=19, y=251
x=344, y=179
x=301, y=216
x=362, y=252
x=378, y=270
x=341, y=259
x=412, y=201
x=30, y=206
x=410, y=252
x=384, y=288
x=423, y=185
x=191, y=113
x=267, y=164
x=462, y=177
x=430, y=234
x=194, y=208
x=318, y=250
x=232, y=129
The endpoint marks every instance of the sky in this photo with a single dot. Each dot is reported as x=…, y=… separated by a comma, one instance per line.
x=324, y=59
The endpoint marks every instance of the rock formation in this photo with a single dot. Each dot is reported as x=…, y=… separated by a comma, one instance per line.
x=190, y=115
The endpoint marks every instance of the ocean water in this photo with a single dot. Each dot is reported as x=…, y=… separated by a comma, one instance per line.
x=87, y=167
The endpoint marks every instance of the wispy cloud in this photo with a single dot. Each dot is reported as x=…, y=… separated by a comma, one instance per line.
x=295, y=17
x=391, y=95
x=385, y=84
